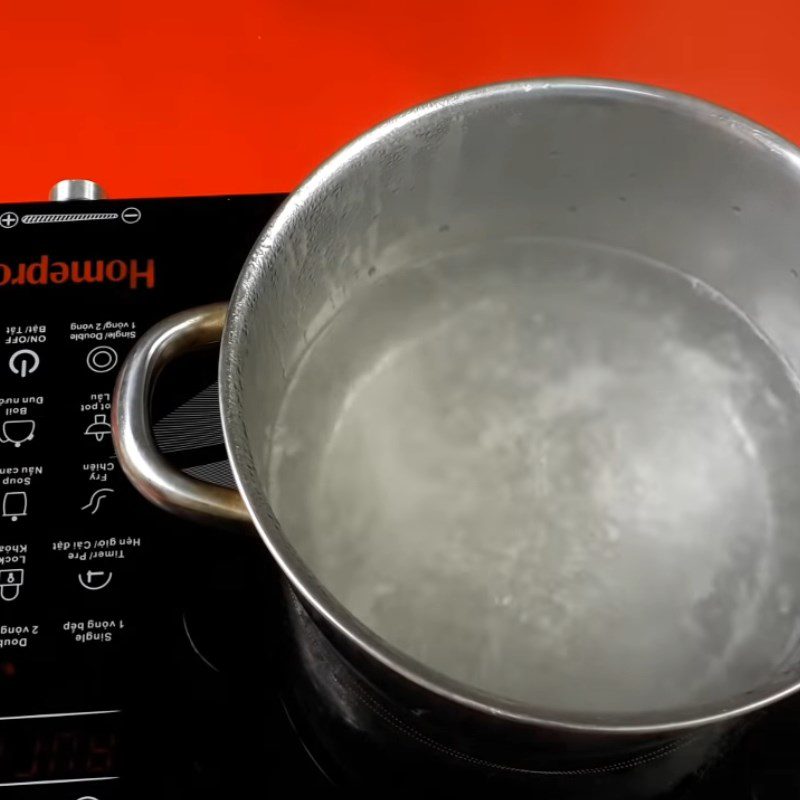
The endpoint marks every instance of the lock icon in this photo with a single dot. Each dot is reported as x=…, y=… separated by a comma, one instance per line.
x=11, y=583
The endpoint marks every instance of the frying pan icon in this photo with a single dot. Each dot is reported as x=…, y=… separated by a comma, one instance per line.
x=17, y=431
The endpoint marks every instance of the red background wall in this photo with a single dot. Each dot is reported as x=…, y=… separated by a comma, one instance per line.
x=189, y=97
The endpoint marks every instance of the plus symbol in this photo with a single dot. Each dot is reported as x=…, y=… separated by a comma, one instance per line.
x=9, y=219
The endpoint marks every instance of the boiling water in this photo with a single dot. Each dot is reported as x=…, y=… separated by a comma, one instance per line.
x=550, y=471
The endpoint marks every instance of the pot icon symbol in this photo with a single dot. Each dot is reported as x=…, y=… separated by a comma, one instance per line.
x=17, y=431
x=100, y=428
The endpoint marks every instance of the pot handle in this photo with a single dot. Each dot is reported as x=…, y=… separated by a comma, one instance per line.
x=147, y=469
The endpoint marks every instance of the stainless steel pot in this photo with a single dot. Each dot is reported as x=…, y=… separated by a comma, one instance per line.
x=632, y=167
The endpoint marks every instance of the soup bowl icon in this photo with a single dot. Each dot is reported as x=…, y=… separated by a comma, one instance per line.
x=17, y=431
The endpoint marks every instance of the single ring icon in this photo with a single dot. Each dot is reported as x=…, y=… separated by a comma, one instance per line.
x=102, y=359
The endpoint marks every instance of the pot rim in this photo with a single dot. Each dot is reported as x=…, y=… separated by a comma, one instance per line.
x=259, y=262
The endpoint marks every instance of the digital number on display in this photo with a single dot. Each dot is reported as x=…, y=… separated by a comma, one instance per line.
x=58, y=748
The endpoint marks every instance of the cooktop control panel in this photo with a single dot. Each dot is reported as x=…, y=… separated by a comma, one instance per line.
x=97, y=588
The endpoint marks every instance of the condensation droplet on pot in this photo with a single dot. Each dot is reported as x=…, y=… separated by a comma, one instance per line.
x=784, y=595
x=612, y=532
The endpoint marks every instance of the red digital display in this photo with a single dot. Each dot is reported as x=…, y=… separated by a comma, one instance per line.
x=55, y=749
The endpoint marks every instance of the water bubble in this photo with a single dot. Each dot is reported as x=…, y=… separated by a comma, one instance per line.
x=784, y=596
